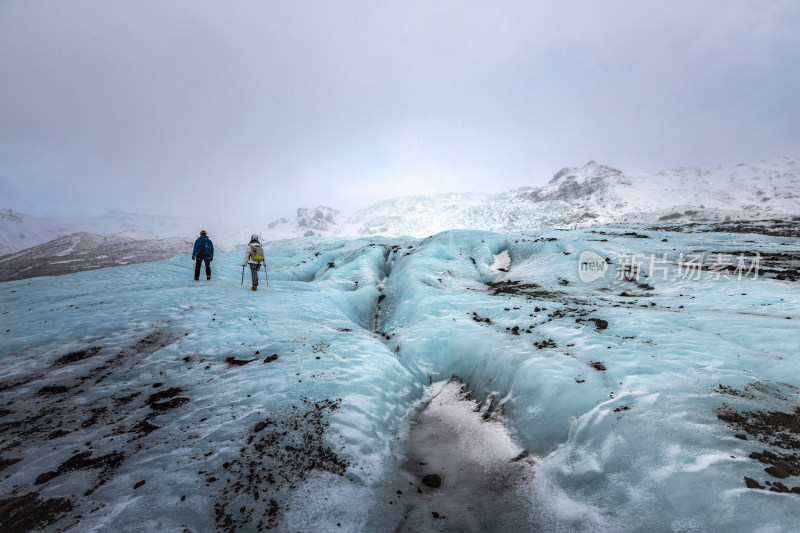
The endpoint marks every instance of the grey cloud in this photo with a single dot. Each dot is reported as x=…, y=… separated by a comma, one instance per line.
x=266, y=106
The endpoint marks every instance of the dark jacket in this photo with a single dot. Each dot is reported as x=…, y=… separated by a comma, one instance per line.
x=200, y=246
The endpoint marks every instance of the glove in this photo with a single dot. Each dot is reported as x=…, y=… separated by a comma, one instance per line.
x=193, y=259
x=210, y=259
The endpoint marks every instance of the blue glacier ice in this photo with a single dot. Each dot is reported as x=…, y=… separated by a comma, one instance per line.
x=581, y=405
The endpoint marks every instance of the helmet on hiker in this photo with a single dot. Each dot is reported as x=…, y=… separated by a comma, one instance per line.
x=253, y=237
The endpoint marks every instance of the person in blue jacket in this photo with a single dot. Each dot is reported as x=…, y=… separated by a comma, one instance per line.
x=203, y=251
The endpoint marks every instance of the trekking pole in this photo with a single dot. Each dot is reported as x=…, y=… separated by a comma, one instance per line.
x=242, y=274
x=266, y=278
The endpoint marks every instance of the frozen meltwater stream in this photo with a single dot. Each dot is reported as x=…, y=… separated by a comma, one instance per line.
x=136, y=399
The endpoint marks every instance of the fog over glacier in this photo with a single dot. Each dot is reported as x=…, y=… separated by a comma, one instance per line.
x=607, y=379
x=192, y=106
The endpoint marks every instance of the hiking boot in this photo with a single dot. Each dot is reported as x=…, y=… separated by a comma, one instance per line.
x=255, y=287
x=208, y=277
x=197, y=279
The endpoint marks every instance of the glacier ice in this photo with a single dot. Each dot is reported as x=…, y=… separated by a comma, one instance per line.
x=603, y=396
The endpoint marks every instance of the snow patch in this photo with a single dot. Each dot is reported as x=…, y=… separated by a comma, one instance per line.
x=502, y=261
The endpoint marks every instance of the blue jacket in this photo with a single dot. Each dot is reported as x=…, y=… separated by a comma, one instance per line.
x=202, y=243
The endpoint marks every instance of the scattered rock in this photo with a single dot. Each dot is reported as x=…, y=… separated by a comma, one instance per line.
x=432, y=480
x=722, y=389
x=779, y=487
x=549, y=343
x=776, y=471
x=5, y=463
x=275, y=459
x=76, y=356
x=599, y=323
x=516, y=287
x=163, y=395
x=522, y=455
x=776, y=428
x=143, y=427
x=271, y=358
x=169, y=404
x=138, y=484
x=478, y=318
x=45, y=477
x=50, y=390
x=233, y=361
x=166, y=399
x=751, y=483
x=788, y=467
x=30, y=512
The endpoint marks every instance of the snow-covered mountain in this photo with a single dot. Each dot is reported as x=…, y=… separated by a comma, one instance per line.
x=743, y=191
x=19, y=231
x=575, y=197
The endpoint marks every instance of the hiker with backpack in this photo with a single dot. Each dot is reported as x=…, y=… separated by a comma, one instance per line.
x=203, y=251
x=254, y=256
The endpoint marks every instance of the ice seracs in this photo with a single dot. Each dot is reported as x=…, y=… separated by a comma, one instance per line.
x=308, y=223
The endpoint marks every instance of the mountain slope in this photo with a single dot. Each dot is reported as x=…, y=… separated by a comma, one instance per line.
x=597, y=194
x=740, y=191
x=87, y=251
x=19, y=231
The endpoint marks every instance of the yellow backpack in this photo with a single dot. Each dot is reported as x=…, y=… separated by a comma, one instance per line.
x=256, y=252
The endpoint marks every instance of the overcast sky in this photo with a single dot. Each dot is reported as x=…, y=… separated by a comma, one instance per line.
x=248, y=110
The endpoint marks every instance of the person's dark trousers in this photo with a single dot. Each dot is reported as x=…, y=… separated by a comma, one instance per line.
x=198, y=262
x=254, y=272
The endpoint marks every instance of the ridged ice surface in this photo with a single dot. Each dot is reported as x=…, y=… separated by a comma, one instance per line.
x=601, y=397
